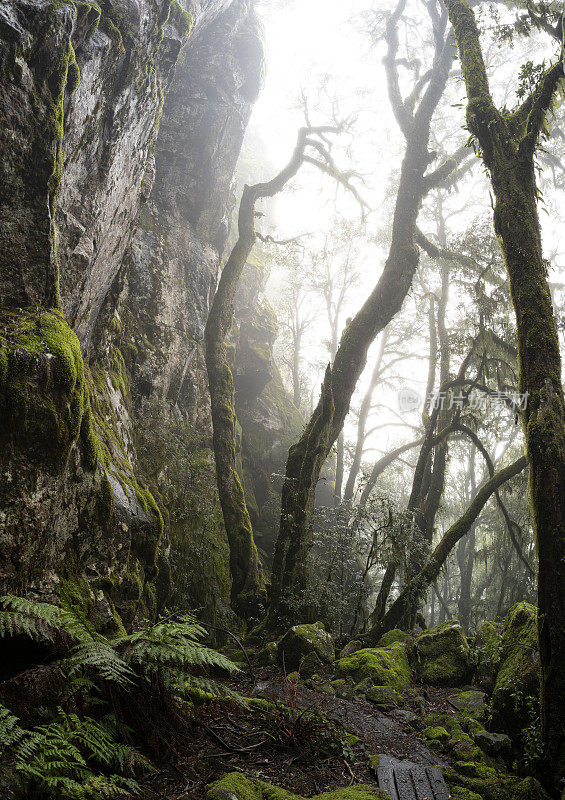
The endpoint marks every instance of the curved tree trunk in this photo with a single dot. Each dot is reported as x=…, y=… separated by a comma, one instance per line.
x=306, y=457
x=248, y=587
x=362, y=422
x=508, y=144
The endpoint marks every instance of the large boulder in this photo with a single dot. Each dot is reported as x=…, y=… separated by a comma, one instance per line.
x=390, y=637
x=384, y=666
x=471, y=703
x=443, y=655
x=517, y=686
x=487, y=646
x=302, y=641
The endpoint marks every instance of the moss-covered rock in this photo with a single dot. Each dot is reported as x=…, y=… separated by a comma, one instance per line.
x=236, y=786
x=462, y=747
x=436, y=733
x=487, y=654
x=493, y=743
x=491, y=784
x=302, y=640
x=311, y=665
x=460, y=793
x=385, y=666
x=517, y=683
x=470, y=703
x=351, y=647
x=267, y=656
x=390, y=637
x=384, y=697
x=443, y=655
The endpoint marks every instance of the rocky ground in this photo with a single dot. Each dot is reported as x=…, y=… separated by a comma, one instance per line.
x=432, y=699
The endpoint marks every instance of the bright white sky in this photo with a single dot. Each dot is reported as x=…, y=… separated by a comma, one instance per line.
x=306, y=40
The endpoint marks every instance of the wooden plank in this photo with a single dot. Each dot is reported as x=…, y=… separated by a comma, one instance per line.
x=424, y=790
x=437, y=782
x=385, y=776
x=404, y=780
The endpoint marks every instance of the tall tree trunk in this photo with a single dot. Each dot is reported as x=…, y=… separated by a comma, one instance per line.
x=296, y=371
x=466, y=554
x=384, y=591
x=508, y=145
x=307, y=456
x=339, y=466
x=468, y=562
x=248, y=587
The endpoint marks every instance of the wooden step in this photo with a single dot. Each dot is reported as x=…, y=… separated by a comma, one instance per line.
x=404, y=780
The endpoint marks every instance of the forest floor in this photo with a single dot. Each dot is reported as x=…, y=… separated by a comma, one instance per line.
x=290, y=743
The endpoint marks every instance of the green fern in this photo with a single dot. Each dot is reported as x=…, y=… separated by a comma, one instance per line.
x=64, y=758
x=80, y=757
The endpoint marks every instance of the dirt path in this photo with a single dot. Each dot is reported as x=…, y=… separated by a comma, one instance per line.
x=379, y=732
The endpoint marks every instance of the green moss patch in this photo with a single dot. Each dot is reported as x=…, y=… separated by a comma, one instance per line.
x=43, y=393
x=385, y=666
x=236, y=786
x=490, y=783
x=444, y=655
x=517, y=681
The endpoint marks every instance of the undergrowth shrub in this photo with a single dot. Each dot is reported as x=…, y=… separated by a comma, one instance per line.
x=72, y=728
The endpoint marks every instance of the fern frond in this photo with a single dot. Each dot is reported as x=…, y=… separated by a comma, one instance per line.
x=100, y=656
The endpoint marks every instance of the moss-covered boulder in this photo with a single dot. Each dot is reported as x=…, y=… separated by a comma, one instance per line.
x=351, y=647
x=443, y=655
x=385, y=666
x=462, y=747
x=236, y=786
x=471, y=703
x=490, y=783
x=435, y=734
x=267, y=656
x=460, y=793
x=517, y=685
x=487, y=654
x=494, y=743
x=384, y=697
x=390, y=637
x=302, y=640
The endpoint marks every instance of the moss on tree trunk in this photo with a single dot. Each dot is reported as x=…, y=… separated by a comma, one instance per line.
x=508, y=144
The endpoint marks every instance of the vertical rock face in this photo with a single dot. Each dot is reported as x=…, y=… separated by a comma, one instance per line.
x=113, y=224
